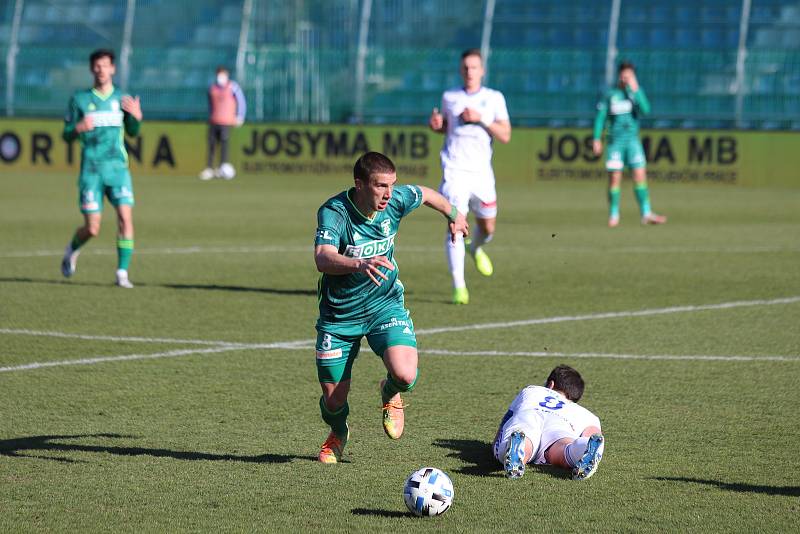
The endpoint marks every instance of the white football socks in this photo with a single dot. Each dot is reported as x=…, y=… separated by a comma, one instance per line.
x=479, y=239
x=455, y=259
x=575, y=450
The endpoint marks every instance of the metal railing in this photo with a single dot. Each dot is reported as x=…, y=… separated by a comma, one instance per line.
x=705, y=63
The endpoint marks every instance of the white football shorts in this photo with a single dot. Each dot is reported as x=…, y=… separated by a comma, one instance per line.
x=470, y=191
x=542, y=427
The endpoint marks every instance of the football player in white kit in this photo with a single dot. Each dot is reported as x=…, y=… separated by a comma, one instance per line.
x=545, y=425
x=471, y=117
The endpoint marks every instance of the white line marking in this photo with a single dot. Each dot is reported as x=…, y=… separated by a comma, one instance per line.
x=44, y=333
x=166, y=251
x=612, y=356
x=154, y=356
x=267, y=249
x=609, y=315
x=305, y=344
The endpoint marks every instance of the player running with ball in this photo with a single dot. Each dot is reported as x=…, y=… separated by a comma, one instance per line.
x=361, y=295
x=545, y=425
x=97, y=117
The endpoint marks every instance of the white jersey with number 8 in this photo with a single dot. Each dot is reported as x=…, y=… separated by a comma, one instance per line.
x=545, y=416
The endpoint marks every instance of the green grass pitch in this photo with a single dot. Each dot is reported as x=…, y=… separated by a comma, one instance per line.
x=219, y=428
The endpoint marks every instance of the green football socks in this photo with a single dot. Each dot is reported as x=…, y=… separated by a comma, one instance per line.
x=124, y=253
x=642, y=193
x=392, y=387
x=613, y=202
x=337, y=420
x=76, y=242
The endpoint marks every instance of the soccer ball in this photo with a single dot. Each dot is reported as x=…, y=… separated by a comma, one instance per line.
x=428, y=492
x=226, y=171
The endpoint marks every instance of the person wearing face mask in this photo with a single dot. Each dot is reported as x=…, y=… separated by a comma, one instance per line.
x=226, y=108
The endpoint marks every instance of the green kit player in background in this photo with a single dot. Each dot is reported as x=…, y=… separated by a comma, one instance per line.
x=622, y=107
x=360, y=293
x=97, y=117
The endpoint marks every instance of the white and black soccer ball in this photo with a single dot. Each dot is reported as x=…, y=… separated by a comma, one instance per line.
x=428, y=492
x=226, y=171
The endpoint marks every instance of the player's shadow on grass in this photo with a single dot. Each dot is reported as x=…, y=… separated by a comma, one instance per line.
x=789, y=491
x=270, y=290
x=478, y=454
x=380, y=513
x=482, y=462
x=205, y=287
x=18, y=447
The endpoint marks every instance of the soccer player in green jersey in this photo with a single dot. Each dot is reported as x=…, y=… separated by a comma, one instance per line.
x=99, y=117
x=622, y=107
x=360, y=293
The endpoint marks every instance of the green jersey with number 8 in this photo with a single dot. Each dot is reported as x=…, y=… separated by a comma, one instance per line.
x=354, y=297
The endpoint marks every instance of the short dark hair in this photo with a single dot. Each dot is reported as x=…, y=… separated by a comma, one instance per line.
x=472, y=52
x=101, y=53
x=222, y=68
x=566, y=380
x=625, y=65
x=372, y=163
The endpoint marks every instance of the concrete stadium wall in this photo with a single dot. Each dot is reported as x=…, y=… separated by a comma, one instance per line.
x=535, y=154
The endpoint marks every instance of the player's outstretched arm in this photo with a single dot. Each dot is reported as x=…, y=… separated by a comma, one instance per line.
x=329, y=261
x=457, y=221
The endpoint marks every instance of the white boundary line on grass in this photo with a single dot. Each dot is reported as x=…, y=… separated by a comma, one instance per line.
x=168, y=354
x=697, y=357
x=266, y=249
x=436, y=352
x=611, y=315
x=306, y=344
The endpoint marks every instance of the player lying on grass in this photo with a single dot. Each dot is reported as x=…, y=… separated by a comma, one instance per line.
x=545, y=425
x=360, y=293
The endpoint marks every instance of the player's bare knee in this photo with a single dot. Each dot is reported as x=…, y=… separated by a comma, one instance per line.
x=93, y=229
x=334, y=396
x=335, y=400
x=404, y=379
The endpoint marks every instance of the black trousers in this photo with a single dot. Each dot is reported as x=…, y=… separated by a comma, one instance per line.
x=218, y=133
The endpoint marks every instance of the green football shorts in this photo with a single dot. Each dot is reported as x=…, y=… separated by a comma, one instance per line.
x=116, y=184
x=625, y=153
x=338, y=343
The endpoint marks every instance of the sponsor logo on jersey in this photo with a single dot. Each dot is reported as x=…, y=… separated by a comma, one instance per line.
x=102, y=119
x=329, y=354
x=619, y=107
x=373, y=248
x=324, y=235
x=394, y=323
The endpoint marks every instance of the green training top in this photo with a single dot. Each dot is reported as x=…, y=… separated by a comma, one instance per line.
x=104, y=145
x=623, y=109
x=354, y=297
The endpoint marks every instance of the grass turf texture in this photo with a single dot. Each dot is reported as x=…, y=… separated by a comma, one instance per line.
x=227, y=440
